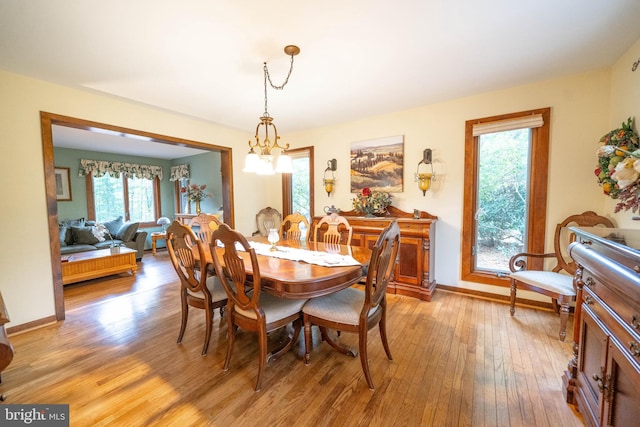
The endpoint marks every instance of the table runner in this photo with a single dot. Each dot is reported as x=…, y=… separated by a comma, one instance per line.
x=298, y=254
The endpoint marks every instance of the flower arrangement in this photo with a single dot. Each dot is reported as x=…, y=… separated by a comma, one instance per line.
x=618, y=170
x=371, y=202
x=195, y=192
x=99, y=230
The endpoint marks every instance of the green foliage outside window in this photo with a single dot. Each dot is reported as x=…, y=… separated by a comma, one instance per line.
x=502, y=194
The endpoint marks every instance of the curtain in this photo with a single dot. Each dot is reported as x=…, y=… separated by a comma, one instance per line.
x=179, y=172
x=98, y=168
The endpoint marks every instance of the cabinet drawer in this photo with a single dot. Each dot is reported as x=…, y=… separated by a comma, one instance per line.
x=628, y=337
x=626, y=313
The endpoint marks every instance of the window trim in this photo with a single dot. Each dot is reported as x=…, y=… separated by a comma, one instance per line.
x=536, y=201
x=91, y=207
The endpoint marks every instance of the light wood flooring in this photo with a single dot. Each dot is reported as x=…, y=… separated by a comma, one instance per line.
x=458, y=360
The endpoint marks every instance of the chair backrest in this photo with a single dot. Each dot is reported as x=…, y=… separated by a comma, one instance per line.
x=333, y=234
x=265, y=219
x=203, y=225
x=563, y=236
x=291, y=227
x=181, y=243
x=233, y=277
x=383, y=259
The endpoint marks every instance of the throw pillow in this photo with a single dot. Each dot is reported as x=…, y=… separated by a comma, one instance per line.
x=127, y=231
x=114, y=226
x=83, y=236
x=73, y=222
x=64, y=230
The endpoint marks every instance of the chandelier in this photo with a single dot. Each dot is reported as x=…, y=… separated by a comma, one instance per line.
x=261, y=156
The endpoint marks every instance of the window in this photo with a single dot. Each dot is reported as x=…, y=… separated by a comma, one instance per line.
x=297, y=187
x=506, y=164
x=135, y=199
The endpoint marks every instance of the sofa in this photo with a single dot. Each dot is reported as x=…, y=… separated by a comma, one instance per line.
x=78, y=235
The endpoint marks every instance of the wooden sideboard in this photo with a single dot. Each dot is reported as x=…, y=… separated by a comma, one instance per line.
x=603, y=378
x=415, y=268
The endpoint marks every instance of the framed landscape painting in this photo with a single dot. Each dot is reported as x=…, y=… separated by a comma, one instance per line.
x=378, y=164
x=63, y=184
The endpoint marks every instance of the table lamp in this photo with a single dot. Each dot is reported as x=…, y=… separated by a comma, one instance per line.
x=163, y=221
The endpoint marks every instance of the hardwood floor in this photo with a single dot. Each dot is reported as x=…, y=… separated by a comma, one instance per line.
x=458, y=360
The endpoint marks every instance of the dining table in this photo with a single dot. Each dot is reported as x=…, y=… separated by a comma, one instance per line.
x=302, y=269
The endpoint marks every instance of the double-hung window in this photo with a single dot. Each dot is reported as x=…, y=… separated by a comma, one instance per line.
x=505, y=192
x=132, y=198
x=122, y=189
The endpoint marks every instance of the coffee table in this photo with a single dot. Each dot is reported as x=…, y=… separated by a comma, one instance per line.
x=100, y=263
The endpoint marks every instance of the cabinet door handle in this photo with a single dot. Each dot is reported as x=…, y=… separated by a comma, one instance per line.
x=635, y=321
x=635, y=348
x=601, y=385
x=588, y=300
x=636, y=268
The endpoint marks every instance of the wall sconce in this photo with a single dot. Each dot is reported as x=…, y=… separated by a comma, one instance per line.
x=330, y=182
x=424, y=179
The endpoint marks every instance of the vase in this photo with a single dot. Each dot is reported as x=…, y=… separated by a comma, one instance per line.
x=115, y=249
x=197, y=207
x=187, y=206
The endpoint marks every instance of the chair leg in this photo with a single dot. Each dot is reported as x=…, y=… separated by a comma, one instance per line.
x=382, y=325
x=307, y=340
x=364, y=361
x=231, y=333
x=512, y=310
x=564, y=316
x=262, y=355
x=209, y=327
x=185, y=316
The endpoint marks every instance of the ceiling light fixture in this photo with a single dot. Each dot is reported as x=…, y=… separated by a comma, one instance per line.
x=260, y=160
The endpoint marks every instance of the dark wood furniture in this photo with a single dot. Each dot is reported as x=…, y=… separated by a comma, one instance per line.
x=6, y=349
x=300, y=280
x=355, y=310
x=196, y=290
x=603, y=379
x=556, y=285
x=414, y=274
x=249, y=307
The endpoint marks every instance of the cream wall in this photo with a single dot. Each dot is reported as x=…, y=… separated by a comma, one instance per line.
x=26, y=280
x=579, y=116
x=625, y=102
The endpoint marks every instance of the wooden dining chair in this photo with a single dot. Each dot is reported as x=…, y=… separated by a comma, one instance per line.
x=293, y=226
x=554, y=284
x=266, y=219
x=334, y=227
x=196, y=289
x=203, y=225
x=249, y=308
x=356, y=310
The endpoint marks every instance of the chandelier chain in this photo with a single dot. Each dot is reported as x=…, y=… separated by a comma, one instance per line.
x=267, y=77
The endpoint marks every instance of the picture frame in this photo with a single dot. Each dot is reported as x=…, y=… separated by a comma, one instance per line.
x=378, y=164
x=63, y=184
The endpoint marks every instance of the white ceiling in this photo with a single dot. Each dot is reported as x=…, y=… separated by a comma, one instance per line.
x=203, y=58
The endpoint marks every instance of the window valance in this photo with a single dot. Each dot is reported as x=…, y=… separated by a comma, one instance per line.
x=98, y=168
x=179, y=172
x=531, y=121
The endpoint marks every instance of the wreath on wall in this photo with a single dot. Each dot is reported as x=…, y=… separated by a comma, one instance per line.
x=618, y=170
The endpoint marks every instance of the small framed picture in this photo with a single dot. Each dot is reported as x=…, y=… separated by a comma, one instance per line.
x=63, y=184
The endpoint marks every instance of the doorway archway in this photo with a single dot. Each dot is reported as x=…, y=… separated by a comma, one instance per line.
x=47, y=120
